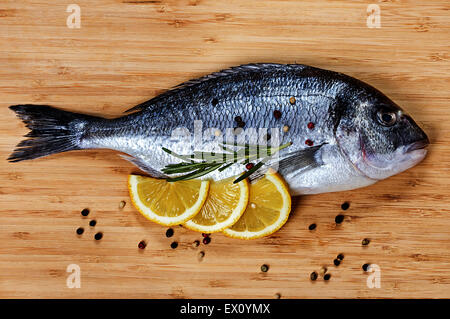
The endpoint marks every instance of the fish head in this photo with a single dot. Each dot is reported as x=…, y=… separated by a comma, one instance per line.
x=378, y=137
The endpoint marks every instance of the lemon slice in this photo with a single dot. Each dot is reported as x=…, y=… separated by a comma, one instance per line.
x=167, y=203
x=226, y=202
x=268, y=209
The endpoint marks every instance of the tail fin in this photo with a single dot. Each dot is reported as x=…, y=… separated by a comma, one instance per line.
x=51, y=131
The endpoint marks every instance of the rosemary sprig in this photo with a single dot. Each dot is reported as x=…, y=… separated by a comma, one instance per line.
x=202, y=163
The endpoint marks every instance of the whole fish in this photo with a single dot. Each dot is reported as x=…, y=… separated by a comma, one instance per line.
x=344, y=133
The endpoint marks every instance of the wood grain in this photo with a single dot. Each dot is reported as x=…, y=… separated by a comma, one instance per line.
x=126, y=52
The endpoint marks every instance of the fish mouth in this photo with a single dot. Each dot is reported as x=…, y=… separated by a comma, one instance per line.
x=418, y=145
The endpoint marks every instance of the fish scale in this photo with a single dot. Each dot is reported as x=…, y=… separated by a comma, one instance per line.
x=349, y=147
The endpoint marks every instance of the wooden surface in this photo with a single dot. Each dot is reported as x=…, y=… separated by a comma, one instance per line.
x=126, y=52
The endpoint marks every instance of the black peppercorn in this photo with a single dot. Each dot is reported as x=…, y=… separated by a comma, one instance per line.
x=169, y=232
x=339, y=219
x=98, y=236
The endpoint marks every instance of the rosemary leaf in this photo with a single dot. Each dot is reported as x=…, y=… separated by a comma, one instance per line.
x=186, y=158
x=185, y=168
x=207, y=156
x=194, y=174
x=249, y=172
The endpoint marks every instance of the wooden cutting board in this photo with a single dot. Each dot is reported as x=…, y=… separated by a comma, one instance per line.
x=126, y=52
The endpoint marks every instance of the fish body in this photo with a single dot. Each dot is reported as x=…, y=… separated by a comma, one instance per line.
x=345, y=134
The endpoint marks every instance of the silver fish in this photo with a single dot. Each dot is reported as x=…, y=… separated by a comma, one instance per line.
x=345, y=134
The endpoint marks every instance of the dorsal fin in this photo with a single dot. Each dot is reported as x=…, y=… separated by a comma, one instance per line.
x=245, y=68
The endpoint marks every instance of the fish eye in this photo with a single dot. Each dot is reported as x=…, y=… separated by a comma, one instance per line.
x=386, y=118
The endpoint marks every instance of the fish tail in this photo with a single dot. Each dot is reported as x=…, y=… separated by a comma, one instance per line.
x=51, y=131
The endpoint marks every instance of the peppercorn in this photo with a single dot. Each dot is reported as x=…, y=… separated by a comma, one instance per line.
x=142, y=244
x=98, y=236
x=169, y=232
x=292, y=100
x=249, y=166
x=277, y=114
x=339, y=219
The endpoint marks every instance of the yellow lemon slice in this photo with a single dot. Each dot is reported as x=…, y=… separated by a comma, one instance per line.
x=226, y=202
x=167, y=203
x=268, y=209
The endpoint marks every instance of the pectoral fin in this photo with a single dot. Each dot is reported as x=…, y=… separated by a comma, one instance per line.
x=300, y=160
x=304, y=159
